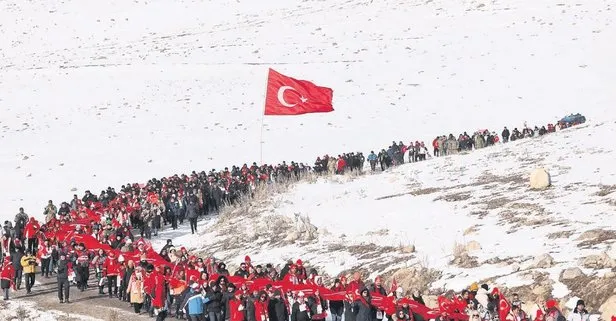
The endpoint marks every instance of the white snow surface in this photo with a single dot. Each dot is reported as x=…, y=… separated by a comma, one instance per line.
x=98, y=94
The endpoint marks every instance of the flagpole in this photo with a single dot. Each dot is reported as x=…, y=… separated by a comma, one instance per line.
x=262, y=120
x=261, y=138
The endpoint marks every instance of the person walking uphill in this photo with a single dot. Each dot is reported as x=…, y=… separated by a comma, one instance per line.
x=28, y=262
x=194, y=301
x=192, y=213
x=30, y=231
x=6, y=277
x=62, y=275
x=111, y=268
x=363, y=306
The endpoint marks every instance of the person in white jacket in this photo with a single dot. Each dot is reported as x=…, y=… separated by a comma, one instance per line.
x=579, y=313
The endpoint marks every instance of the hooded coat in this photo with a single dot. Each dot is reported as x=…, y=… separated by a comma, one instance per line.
x=363, y=308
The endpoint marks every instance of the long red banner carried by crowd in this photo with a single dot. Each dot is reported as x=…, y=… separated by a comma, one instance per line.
x=76, y=230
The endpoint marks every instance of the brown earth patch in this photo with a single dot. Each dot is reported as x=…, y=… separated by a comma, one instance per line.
x=591, y=238
x=539, y=291
x=454, y=197
x=419, y=278
x=368, y=250
x=498, y=202
x=488, y=178
x=471, y=230
x=605, y=190
x=425, y=191
x=560, y=235
x=594, y=290
x=479, y=214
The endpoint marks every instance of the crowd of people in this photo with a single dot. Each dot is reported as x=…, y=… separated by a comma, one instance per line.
x=417, y=151
x=97, y=236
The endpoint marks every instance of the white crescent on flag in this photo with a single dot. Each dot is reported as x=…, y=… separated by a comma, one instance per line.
x=281, y=96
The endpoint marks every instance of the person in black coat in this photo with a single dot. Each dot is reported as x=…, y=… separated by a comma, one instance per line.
x=362, y=307
x=337, y=307
x=214, y=305
x=300, y=310
x=62, y=275
x=276, y=308
x=505, y=135
x=226, y=297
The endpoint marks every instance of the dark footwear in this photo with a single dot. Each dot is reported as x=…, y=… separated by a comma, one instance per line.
x=61, y=301
x=67, y=301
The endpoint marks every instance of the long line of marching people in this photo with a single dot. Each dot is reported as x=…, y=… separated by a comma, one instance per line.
x=101, y=241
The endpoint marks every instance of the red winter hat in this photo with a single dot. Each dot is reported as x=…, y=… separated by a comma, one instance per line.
x=551, y=303
x=182, y=249
x=299, y=262
x=293, y=266
x=247, y=259
x=192, y=258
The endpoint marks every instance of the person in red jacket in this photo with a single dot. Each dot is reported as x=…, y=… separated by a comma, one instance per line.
x=30, y=231
x=340, y=165
x=435, y=146
x=111, y=269
x=158, y=293
x=236, y=307
x=291, y=276
x=7, y=275
x=261, y=307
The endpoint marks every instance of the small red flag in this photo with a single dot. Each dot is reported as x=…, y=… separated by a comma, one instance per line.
x=288, y=96
x=504, y=307
x=394, y=286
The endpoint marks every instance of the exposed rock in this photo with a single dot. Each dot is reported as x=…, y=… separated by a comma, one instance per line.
x=292, y=236
x=571, y=273
x=542, y=290
x=540, y=179
x=599, y=261
x=543, y=261
x=464, y=260
x=408, y=249
x=608, y=308
x=515, y=267
x=473, y=246
x=416, y=278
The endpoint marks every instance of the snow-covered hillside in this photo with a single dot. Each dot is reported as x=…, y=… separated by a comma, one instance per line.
x=96, y=94
x=466, y=217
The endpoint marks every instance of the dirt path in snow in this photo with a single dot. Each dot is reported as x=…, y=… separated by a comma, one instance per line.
x=88, y=303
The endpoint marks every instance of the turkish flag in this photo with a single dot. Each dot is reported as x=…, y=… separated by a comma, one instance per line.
x=288, y=96
x=503, y=307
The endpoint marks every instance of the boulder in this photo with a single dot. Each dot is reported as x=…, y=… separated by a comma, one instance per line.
x=540, y=179
x=292, y=236
x=408, y=249
x=608, y=308
x=571, y=273
x=473, y=246
x=599, y=261
x=543, y=261
x=515, y=267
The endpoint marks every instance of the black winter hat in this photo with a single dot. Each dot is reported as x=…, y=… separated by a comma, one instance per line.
x=580, y=302
x=485, y=287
